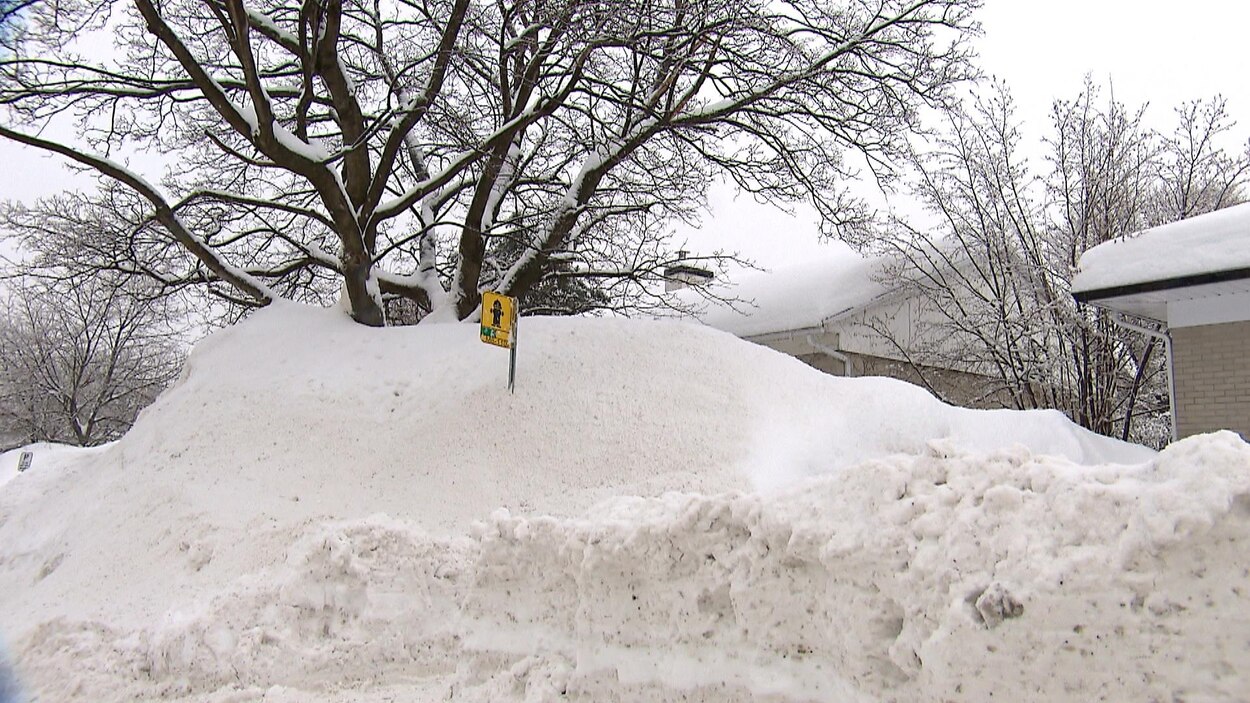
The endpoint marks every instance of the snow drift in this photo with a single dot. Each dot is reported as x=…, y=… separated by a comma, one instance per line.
x=320, y=512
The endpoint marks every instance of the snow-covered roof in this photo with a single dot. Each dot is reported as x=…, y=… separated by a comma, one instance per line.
x=796, y=297
x=1196, y=251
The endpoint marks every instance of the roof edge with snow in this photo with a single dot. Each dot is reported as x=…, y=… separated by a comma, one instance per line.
x=1163, y=284
x=1206, y=249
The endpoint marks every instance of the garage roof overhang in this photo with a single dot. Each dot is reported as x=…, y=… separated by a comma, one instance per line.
x=1205, y=298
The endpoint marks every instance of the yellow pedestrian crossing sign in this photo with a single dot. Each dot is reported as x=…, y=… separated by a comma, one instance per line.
x=499, y=313
x=498, y=320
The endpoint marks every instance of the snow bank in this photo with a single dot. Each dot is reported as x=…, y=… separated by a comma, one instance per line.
x=46, y=458
x=320, y=512
x=946, y=576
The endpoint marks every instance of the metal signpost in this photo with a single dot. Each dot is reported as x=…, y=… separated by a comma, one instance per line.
x=499, y=327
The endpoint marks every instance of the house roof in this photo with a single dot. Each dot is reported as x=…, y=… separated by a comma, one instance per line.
x=687, y=270
x=796, y=297
x=1208, y=252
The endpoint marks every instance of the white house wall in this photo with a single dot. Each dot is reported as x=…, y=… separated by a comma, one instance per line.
x=905, y=320
x=1215, y=310
x=798, y=342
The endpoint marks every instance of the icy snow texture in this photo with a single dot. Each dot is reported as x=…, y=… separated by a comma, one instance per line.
x=313, y=514
x=941, y=577
x=1216, y=241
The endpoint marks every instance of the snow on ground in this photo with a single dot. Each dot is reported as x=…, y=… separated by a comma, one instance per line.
x=51, y=458
x=320, y=512
x=8, y=466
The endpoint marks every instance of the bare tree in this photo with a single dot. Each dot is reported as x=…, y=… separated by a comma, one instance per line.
x=430, y=149
x=1196, y=172
x=78, y=362
x=1103, y=180
x=981, y=269
x=995, y=285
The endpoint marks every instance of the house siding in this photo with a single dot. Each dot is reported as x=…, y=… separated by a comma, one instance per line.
x=962, y=389
x=824, y=362
x=1212, y=376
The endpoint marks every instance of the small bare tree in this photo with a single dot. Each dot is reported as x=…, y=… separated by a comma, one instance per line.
x=994, y=285
x=1196, y=172
x=78, y=362
x=983, y=285
x=1103, y=182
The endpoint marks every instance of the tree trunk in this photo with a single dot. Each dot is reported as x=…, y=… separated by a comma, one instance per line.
x=1132, y=394
x=365, y=308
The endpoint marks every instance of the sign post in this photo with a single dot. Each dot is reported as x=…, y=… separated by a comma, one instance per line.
x=512, y=360
x=499, y=328
x=23, y=461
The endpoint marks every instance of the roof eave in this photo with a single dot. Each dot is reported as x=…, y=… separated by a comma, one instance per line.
x=1197, y=279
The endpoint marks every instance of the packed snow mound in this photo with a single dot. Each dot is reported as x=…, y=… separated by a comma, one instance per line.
x=304, y=509
x=946, y=576
x=949, y=576
x=300, y=415
x=51, y=457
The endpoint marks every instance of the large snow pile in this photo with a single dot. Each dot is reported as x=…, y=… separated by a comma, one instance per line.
x=319, y=512
x=8, y=466
x=51, y=457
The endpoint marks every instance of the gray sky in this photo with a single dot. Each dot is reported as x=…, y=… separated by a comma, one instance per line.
x=1151, y=51
x=1163, y=52
x=1159, y=51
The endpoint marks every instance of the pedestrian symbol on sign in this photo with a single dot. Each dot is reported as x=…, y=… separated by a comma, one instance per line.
x=498, y=319
x=496, y=314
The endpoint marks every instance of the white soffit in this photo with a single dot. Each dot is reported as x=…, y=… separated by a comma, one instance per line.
x=1211, y=310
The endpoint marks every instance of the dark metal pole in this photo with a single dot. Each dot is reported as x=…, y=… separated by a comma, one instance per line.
x=512, y=352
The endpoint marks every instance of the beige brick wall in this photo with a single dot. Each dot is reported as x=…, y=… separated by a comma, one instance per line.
x=1212, y=368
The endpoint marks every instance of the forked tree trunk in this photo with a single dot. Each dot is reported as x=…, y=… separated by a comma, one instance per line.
x=365, y=308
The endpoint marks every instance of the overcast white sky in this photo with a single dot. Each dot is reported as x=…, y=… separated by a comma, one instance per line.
x=1164, y=52
x=1161, y=52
